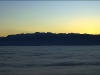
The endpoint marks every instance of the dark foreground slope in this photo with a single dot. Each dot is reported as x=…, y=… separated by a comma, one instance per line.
x=49, y=39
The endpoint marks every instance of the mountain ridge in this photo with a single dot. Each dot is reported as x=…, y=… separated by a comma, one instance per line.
x=41, y=38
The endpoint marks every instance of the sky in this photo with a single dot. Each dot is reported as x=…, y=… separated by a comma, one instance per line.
x=49, y=16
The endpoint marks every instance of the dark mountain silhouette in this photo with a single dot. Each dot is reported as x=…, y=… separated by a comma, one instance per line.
x=40, y=38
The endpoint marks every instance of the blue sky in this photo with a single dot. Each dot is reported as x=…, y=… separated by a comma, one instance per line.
x=49, y=16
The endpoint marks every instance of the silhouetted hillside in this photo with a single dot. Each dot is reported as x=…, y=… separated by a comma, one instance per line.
x=49, y=38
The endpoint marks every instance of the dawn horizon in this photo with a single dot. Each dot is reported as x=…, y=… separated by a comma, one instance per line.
x=49, y=16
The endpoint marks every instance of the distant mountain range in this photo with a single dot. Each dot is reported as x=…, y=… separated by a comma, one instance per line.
x=40, y=39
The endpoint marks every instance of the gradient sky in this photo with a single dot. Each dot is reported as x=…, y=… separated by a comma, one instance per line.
x=49, y=16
